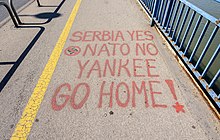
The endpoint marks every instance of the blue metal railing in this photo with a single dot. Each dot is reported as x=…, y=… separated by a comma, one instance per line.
x=194, y=35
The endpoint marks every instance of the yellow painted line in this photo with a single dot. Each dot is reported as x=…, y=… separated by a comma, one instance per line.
x=26, y=121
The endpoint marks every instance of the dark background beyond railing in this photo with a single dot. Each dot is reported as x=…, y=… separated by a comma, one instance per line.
x=210, y=6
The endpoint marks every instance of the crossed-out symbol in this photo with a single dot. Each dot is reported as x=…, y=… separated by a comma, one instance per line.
x=72, y=51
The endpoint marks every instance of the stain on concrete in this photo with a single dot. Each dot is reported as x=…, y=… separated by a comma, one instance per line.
x=105, y=115
x=12, y=126
x=111, y=112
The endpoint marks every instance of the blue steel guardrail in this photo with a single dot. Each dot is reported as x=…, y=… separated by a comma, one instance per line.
x=186, y=27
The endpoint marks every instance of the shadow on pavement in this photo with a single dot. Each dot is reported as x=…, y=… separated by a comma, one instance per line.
x=7, y=63
x=21, y=58
x=46, y=15
x=49, y=16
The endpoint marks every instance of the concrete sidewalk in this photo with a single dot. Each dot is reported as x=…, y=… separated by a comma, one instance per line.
x=18, y=4
x=115, y=78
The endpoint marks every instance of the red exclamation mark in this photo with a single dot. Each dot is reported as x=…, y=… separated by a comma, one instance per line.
x=177, y=106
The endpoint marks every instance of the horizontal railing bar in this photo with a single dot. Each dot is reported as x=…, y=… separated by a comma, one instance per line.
x=201, y=12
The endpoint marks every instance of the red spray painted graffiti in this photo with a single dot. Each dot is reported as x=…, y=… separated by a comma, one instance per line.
x=72, y=51
x=116, y=94
x=111, y=92
x=177, y=106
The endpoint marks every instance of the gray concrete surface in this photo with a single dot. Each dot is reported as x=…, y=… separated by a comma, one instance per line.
x=138, y=117
x=17, y=4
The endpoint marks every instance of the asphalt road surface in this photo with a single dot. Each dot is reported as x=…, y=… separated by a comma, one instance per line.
x=95, y=70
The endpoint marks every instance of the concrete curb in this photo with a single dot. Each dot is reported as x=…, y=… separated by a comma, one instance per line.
x=3, y=22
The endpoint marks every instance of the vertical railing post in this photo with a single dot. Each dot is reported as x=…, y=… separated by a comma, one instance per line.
x=168, y=12
x=156, y=5
x=181, y=31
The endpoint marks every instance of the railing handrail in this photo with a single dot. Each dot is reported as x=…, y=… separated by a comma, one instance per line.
x=202, y=12
x=173, y=19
